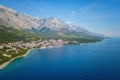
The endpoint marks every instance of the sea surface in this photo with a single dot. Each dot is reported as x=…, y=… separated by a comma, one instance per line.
x=91, y=61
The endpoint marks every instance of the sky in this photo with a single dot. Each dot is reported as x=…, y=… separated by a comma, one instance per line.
x=100, y=16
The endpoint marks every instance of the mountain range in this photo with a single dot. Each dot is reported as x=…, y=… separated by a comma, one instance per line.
x=17, y=26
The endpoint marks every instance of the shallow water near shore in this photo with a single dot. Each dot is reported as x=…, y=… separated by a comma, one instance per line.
x=91, y=61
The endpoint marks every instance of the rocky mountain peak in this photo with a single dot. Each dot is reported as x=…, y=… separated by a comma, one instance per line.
x=3, y=9
x=12, y=18
x=50, y=26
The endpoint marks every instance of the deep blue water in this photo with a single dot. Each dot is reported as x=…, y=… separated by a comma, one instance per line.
x=92, y=61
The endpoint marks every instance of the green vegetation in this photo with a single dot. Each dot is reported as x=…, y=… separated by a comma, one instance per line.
x=12, y=53
x=46, y=33
x=9, y=34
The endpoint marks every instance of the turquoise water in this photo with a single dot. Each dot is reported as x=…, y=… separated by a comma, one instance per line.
x=93, y=61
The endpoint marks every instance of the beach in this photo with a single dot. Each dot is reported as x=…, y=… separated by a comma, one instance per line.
x=6, y=63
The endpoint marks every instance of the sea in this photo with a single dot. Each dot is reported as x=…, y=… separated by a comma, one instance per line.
x=89, y=61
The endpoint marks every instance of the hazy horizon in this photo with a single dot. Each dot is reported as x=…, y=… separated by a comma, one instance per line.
x=100, y=16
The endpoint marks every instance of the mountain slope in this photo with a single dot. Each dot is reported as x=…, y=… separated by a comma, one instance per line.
x=9, y=34
x=44, y=28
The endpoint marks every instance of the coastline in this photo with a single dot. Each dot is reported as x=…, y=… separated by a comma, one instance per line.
x=49, y=47
x=6, y=63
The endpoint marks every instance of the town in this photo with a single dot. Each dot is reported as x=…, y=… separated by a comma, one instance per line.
x=12, y=50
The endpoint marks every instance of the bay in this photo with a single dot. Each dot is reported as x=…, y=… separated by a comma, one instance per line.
x=90, y=61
